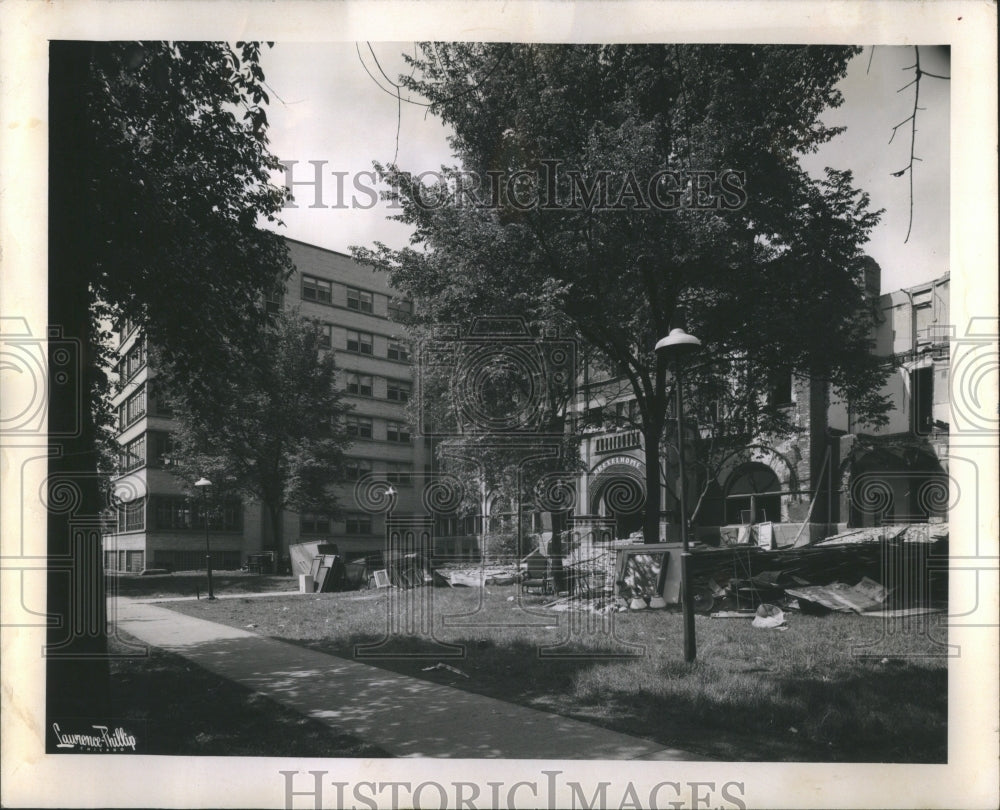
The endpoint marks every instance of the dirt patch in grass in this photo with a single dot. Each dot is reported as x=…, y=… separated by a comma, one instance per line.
x=174, y=707
x=842, y=688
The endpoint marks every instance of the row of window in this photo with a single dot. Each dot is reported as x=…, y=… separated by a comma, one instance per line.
x=358, y=342
x=396, y=472
x=175, y=513
x=142, y=401
x=363, y=385
x=133, y=408
x=362, y=427
x=153, y=448
x=133, y=361
x=322, y=523
x=321, y=291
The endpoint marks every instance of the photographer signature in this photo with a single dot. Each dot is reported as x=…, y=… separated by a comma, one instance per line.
x=99, y=738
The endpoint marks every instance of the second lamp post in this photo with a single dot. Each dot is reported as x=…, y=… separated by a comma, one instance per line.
x=203, y=484
x=678, y=346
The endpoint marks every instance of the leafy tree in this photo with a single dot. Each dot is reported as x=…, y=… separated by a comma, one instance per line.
x=574, y=219
x=269, y=427
x=158, y=180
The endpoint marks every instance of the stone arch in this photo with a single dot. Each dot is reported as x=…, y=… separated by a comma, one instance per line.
x=897, y=484
x=618, y=491
x=761, y=454
x=760, y=480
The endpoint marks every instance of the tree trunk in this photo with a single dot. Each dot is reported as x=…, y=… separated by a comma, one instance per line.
x=652, y=429
x=274, y=514
x=77, y=671
x=558, y=527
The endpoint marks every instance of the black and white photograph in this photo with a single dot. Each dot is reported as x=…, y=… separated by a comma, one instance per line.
x=488, y=405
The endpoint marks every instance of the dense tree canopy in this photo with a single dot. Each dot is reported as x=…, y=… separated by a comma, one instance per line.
x=625, y=190
x=269, y=427
x=158, y=181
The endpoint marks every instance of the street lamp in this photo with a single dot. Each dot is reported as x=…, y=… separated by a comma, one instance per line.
x=203, y=484
x=679, y=345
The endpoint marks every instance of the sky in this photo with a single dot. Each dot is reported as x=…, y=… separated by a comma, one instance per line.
x=325, y=107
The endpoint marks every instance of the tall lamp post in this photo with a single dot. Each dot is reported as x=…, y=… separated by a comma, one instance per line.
x=203, y=484
x=678, y=346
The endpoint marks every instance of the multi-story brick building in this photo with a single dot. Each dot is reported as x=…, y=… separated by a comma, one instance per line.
x=832, y=473
x=159, y=525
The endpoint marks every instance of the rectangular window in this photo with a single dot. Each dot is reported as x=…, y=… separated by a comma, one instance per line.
x=132, y=408
x=359, y=426
x=398, y=351
x=316, y=289
x=397, y=432
x=180, y=513
x=133, y=361
x=356, y=468
x=125, y=328
x=780, y=392
x=359, y=300
x=922, y=400
x=359, y=342
x=314, y=523
x=132, y=455
x=273, y=302
x=159, y=401
x=132, y=516
x=161, y=445
x=398, y=472
x=398, y=391
x=358, y=523
x=173, y=513
x=325, y=335
x=359, y=384
x=923, y=320
x=400, y=309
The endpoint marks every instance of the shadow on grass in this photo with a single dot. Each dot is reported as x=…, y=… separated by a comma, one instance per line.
x=174, y=707
x=882, y=713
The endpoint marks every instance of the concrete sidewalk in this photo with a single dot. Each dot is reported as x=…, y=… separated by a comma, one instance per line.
x=405, y=716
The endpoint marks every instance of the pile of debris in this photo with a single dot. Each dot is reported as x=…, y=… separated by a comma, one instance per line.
x=475, y=576
x=900, y=567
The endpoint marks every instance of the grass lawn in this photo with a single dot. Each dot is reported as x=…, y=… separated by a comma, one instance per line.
x=195, y=583
x=173, y=707
x=799, y=694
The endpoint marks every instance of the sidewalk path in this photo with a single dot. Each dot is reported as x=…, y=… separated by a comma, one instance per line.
x=405, y=716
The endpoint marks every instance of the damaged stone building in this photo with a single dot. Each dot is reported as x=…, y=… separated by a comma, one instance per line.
x=832, y=474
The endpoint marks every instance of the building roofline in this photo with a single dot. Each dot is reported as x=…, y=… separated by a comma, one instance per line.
x=325, y=250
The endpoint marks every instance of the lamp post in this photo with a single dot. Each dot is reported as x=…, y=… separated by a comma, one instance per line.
x=203, y=484
x=678, y=345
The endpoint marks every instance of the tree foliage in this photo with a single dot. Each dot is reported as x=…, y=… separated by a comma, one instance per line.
x=158, y=182
x=270, y=427
x=771, y=280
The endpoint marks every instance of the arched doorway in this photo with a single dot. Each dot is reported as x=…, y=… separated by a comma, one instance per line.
x=760, y=481
x=897, y=485
x=619, y=493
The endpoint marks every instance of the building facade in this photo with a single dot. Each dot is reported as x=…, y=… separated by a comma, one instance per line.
x=159, y=525
x=832, y=474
